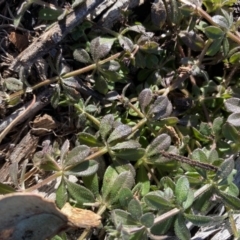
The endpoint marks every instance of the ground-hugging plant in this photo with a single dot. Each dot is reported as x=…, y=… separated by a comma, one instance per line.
x=159, y=153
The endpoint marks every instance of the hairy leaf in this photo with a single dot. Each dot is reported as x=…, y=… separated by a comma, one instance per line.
x=144, y=98
x=161, y=142
x=135, y=209
x=89, y=140
x=180, y=228
x=232, y=105
x=147, y=219
x=79, y=193
x=77, y=155
x=119, y=132
x=61, y=194
x=182, y=189
x=81, y=55
x=85, y=168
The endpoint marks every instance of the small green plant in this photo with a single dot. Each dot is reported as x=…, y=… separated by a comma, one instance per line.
x=156, y=141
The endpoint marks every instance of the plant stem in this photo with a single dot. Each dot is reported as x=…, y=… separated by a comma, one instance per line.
x=139, y=124
x=67, y=75
x=175, y=211
x=199, y=11
x=136, y=110
x=89, y=116
x=97, y=154
x=44, y=182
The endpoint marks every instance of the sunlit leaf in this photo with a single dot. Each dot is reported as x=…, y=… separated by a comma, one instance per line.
x=106, y=125
x=182, y=189
x=79, y=193
x=77, y=155
x=81, y=55
x=119, y=132
x=161, y=142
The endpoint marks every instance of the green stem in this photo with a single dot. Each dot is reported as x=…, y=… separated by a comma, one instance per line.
x=136, y=110
x=199, y=11
x=175, y=211
x=97, y=154
x=89, y=116
x=139, y=124
x=67, y=75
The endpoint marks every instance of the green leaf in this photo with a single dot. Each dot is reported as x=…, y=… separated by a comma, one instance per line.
x=221, y=21
x=5, y=189
x=214, y=47
x=217, y=125
x=125, y=197
x=49, y=164
x=77, y=155
x=121, y=217
x=135, y=209
x=161, y=108
x=113, y=183
x=130, y=154
x=160, y=143
x=100, y=47
x=229, y=200
x=147, y=220
x=149, y=47
x=79, y=193
x=232, y=105
x=111, y=66
x=230, y=132
x=203, y=203
x=189, y=201
x=91, y=182
x=225, y=169
x=56, y=96
x=199, y=155
x=126, y=43
x=199, y=220
x=143, y=178
x=106, y=126
x=155, y=201
x=225, y=47
x=144, y=98
x=89, y=140
x=131, y=144
x=162, y=227
x=199, y=136
x=235, y=58
x=13, y=84
x=192, y=40
x=61, y=194
x=64, y=150
x=182, y=189
x=101, y=84
x=234, y=119
x=214, y=32
x=81, y=55
x=180, y=228
x=83, y=169
x=119, y=132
